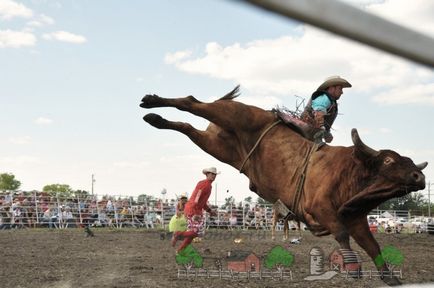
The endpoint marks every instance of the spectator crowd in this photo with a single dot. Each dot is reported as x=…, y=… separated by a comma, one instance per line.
x=40, y=209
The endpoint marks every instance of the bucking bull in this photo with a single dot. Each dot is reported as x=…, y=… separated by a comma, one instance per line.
x=331, y=189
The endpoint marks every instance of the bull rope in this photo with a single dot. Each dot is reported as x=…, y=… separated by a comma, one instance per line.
x=257, y=143
x=300, y=184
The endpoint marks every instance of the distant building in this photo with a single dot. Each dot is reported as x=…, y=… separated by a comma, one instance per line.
x=243, y=261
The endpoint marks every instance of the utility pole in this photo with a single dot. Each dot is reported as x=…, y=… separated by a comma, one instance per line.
x=163, y=193
x=215, y=202
x=429, y=199
x=93, y=181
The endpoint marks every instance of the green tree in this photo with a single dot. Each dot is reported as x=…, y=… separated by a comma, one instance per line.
x=248, y=199
x=145, y=199
x=8, y=182
x=82, y=194
x=141, y=198
x=189, y=257
x=426, y=209
x=261, y=201
x=62, y=190
x=278, y=257
x=411, y=202
x=228, y=202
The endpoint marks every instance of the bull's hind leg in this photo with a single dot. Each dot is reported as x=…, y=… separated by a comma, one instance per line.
x=159, y=122
x=153, y=101
x=235, y=112
x=189, y=104
x=213, y=141
x=209, y=111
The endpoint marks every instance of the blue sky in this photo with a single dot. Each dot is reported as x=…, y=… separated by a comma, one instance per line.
x=73, y=73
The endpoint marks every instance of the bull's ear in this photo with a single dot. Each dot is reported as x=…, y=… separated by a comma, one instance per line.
x=362, y=147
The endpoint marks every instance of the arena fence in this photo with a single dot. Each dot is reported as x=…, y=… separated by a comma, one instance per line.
x=230, y=274
x=38, y=209
x=373, y=273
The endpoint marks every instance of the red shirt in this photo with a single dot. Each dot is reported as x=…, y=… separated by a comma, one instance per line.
x=192, y=208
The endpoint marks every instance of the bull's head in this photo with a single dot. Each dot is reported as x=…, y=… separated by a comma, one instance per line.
x=390, y=165
x=384, y=175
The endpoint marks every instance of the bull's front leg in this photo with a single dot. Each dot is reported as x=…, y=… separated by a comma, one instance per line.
x=322, y=216
x=359, y=230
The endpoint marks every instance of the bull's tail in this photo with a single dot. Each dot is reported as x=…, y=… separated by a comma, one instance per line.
x=233, y=94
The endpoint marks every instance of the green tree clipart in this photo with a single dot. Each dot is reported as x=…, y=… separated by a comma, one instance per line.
x=278, y=257
x=391, y=256
x=189, y=257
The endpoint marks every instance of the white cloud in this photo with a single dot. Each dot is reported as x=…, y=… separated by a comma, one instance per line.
x=43, y=121
x=64, y=36
x=130, y=164
x=20, y=160
x=417, y=15
x=20, y=140
x=171, y=58
x=296, y=65
x=385, y=130
x=16, y=39
x=421, y=93
x=10, y=9
x=40, y=21
x=279, y=66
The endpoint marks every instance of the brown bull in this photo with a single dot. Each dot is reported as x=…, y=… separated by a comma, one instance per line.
x=342, y=184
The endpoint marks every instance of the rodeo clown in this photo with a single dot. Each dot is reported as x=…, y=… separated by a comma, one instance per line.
x=194, y=209
x=178, y=222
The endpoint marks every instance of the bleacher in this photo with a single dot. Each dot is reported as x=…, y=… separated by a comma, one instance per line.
x=41, y=210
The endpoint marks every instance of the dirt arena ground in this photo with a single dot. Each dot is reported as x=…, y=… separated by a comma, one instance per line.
x=139, y=258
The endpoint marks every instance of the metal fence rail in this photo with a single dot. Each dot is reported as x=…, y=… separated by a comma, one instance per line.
x=39, y=210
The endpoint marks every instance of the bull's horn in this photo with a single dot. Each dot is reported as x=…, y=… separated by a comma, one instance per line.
x=422, y=165
x=362, y=146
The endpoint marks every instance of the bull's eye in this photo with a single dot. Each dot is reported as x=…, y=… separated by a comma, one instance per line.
x=388, y=161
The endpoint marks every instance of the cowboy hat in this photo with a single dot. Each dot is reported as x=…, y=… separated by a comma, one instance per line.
x=183, y=195
x=212, y=170
x=333, y=81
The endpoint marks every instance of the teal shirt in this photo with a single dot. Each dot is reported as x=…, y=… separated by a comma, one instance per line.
x=321, y=103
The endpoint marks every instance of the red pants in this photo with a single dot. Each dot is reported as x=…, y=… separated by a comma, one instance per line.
x=188, y=237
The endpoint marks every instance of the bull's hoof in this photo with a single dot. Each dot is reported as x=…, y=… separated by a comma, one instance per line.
x=150, y=101
x=392, y=281
x=156, y=120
